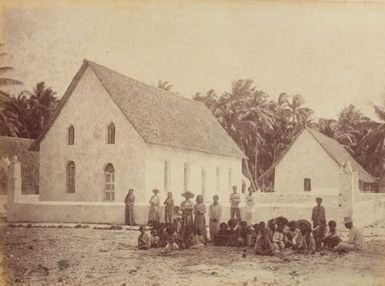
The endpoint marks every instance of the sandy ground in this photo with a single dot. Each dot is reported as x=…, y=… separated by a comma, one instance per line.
x=88, y=256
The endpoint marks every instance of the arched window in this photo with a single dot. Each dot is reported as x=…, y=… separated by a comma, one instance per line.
x=71, y=135
x=218, y=180
x=70, y=177
x=166, y=174
x=111, y=133
x=203, y=182
x=186, y=174
x=230, y=179
x=109, y=189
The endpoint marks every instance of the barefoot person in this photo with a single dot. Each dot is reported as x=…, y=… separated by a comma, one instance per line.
x=169, y=208
x=129, y=201
x=250, y=206
x=153, y=214
x=200, y=220
x=143, y=239
x=215, y=214
x=355, y=240
x=318, y=214
x=234, y=201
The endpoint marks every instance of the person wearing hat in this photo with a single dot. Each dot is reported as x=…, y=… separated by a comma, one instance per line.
x=187, y=207
x=153, y=214
x=355, y=239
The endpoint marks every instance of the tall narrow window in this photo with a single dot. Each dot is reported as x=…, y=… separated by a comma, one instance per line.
x=70, y=177
x=230, y=183
x=307, y=184
x=111, y=133
x=166, y=176
x=203, y=182
x=109, y=172
x=71, y=135
x=218, y=180
x=186, y=175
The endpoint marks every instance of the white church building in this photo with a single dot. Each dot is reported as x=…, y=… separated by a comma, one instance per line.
x=110, y=133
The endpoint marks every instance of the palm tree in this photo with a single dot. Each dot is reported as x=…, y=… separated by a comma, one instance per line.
x=41, y=103
x=372, y=144
x=210, y=99
x=299, y=115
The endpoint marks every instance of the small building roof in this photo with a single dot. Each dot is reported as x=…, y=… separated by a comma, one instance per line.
x=335, y=150
x=160, y=117
x=29, y=160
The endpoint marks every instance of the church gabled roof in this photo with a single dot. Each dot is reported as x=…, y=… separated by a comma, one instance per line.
x=160, y=117
x=335, y=150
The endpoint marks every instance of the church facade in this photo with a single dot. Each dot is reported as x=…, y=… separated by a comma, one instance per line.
x=111, y=133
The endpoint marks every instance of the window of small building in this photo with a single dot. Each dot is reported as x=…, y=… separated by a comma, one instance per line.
x=109, y=191
x=71, y=135
x=111, y=133
x=70, y=177
x=307, y=184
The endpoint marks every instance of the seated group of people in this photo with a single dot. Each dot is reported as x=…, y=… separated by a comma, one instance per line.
x=265, y=239
x=166, y=235
x=277, y=235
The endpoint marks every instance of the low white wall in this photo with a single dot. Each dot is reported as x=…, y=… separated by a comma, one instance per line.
x=91, y=212
x=369, y=211
x=295, y=198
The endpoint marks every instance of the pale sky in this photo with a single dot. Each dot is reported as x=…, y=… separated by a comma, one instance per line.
x=331, y=54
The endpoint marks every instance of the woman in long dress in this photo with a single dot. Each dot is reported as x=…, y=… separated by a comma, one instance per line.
x=250, y=207
x=187, y=207
x=200, y=220
x=169, y=208
x=153, y=214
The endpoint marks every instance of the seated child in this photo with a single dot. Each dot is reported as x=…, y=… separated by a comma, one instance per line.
x=263, y=245
x=233, y=232
x=244, y=233
x=270, y=228
x=307, y=243
x=171, y=239
x=154, y=239
x=199, y=240
x=143, y=239
x=162, y=230
x=223, y=236
x=278, y=238
x=331, y=238
x=319, y=233
x=254, y=235
x=185, y=237
x=291, y=234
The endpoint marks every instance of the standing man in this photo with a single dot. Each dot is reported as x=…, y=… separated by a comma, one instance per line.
x=318, y=215
x=250, y=206
x=215, y=214
x=355, y=240
x=129, y=201
x=234, y=201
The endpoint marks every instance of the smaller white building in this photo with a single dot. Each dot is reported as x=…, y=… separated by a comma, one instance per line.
x=312, y=164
